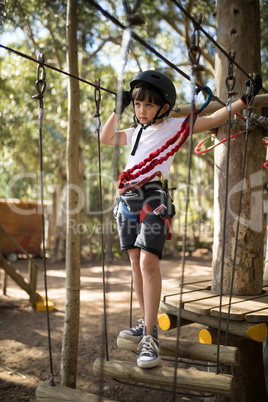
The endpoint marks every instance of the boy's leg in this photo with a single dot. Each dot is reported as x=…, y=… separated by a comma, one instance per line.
x=135, y=333
x=149, y=345
x=134, y=256
x=151, y=279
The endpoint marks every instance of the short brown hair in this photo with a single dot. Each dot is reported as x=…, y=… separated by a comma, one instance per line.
x=143, y=91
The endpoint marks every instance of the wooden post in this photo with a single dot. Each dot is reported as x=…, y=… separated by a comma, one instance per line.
x=238, y=30
x=5, y=283
x=249, y=375
x=32, y=274
x=1, y=255
x=74, y=205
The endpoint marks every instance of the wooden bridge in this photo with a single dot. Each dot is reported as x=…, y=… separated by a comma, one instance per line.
x=248, y=315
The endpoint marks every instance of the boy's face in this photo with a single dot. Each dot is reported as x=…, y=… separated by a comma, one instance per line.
x=146, y=111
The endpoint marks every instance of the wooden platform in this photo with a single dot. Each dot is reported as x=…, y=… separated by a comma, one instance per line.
x=191, y=350
x=47, y=393
x=187, y=379
x=248, y=314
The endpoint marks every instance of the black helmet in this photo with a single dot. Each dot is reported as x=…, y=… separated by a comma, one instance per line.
x=158, y=80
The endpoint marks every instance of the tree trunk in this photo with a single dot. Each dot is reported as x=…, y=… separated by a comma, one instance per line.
x=72, y=304
x=238, y=29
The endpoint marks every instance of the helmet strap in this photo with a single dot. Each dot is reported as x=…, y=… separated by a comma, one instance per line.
x=143, y=127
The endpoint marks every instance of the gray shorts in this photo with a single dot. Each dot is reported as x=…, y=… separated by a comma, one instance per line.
x=149, y=232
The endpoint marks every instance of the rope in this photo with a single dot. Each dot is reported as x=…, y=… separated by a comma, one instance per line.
x=40, y=85
x=199, y=145
x=25, y=56
x=194, y=56
x=97, y=97
x=198, y=24
x=249, y=102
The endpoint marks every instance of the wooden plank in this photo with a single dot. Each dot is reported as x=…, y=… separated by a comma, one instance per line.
x=204, y=285
x=206, y=305
x=245, y=329
x=258, y=316
x=175, y=283
x=201, y=381
x=174, y=300
x=190, y=350
x=47, y=393
x=238, y=311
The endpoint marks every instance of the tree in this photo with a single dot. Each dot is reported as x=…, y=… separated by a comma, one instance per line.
x=72, y=304
x=238, y=30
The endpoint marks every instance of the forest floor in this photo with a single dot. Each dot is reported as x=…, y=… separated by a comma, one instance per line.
x=24, y=352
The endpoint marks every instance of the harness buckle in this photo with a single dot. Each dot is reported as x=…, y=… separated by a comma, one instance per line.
x=161, y=210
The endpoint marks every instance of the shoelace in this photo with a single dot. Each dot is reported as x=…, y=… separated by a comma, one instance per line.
x=149, y=344
x=141, y=324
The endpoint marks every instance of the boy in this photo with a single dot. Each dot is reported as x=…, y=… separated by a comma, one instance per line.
x=144, y=207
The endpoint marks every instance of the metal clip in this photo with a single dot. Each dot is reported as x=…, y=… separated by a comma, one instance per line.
x=230, y=80
x=40, y=82
x=195, y=50
x=132, y=17
x=161, y=210
x=249, y=93
x=97, y=97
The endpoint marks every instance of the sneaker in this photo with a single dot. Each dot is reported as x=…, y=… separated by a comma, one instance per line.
x=134, y=334
x=149, y=356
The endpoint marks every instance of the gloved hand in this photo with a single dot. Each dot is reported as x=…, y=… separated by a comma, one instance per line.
x=126, y=99
x=257, y=86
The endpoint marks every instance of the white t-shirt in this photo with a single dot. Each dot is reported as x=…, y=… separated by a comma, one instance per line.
x=153, y=138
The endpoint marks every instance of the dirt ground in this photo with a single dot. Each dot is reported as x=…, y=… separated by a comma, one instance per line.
x=24, y=356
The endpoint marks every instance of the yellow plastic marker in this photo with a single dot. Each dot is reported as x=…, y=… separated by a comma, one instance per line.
x=164, y=322
x=205, y=337
x=41, y=305
x=258, y=332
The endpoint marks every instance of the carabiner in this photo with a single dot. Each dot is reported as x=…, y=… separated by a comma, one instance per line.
x=210, y=95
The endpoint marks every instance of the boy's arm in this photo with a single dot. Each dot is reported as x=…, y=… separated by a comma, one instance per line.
x=108, y=135
x=220, y=116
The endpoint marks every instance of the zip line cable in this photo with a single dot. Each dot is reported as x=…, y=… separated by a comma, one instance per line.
x=147, y=46
x=159, y=55
x=25, y=56
x=198, y=24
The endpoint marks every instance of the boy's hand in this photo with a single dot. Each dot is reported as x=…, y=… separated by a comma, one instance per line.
x=257, y=86
x=126, y=99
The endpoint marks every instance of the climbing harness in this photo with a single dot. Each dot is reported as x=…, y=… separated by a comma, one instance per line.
x=40, y=85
